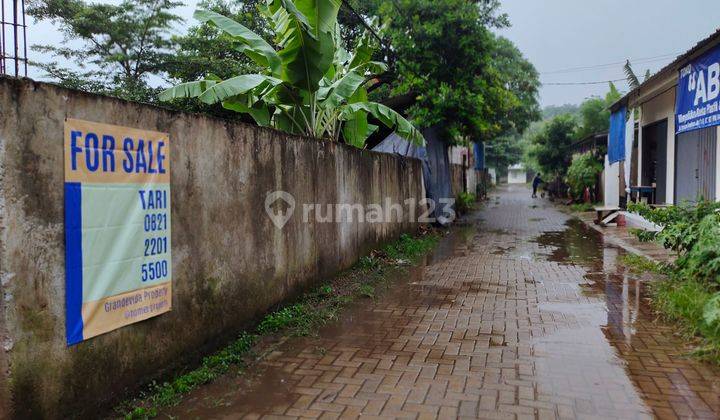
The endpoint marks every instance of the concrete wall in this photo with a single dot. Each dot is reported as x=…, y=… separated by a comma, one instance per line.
x=456, y=179
x=230, y=264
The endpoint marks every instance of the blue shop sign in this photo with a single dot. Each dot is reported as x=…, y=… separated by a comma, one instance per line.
x=697, y=104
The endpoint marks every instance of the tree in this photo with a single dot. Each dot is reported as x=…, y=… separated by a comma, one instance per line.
x=206, y=51
x=583, y=173
x=549, y=146
x=123, y=44
x=309, y=84
x=443, y=52
x=521, y=79
x=595, y=113
x=551, y=111
x=505, y=150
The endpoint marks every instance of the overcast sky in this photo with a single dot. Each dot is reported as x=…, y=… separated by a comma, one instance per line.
x=559, y=36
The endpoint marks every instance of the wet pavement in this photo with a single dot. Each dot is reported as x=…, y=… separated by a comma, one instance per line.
x=523, y=312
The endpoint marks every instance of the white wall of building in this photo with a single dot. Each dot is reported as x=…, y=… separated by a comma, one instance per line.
x=456, y=153
x=611, y=179
x=517, y=174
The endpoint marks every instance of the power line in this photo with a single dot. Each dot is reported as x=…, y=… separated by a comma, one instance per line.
x=609, y=65
x=583, y=83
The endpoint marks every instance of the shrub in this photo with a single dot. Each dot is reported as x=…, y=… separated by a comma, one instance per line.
x=680, y=224
x=583, y=173
x=465, y=202
x=691, y=294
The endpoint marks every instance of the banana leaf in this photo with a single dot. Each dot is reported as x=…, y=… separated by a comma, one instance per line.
x=254, y=46
x=238, y=85
x=388, y=117
x=186, y=90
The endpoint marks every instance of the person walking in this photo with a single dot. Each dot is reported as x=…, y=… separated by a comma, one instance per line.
x=536, y=183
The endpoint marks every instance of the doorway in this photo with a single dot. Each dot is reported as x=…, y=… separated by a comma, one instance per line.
x=654, y=158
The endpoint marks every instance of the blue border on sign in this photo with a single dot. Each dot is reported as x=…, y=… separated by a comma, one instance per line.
x=73, y=263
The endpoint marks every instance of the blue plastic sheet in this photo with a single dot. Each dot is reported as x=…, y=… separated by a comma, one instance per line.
x=616, y=140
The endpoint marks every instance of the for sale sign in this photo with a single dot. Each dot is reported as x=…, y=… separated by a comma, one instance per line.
x=117, y=227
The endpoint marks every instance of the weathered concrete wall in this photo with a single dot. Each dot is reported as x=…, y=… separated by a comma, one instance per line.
x=457, y=179
x=230, y=264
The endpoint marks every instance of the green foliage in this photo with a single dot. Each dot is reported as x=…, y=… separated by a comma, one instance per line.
x=582, y=207
x=551, y=111
x=122, y=44
x=367, y=290
x=696, y=308
x=683, y=301
x=463, y=79
x=521, y=79
x=409, y=248
x=206, y=52
x=639, y=264
x=506, y=150
x=595, y=113
x=711, y=313
x=680, y=224
x=368, y=262
x=465, y=202
x=170, y=393
x=549, y=146
x=290, y=316
x=701, y=260
x=583, y=173
x=691, y=294
x=309, y=84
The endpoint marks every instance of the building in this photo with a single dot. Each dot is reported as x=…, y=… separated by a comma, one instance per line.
x=517, y=174
x=677, y=112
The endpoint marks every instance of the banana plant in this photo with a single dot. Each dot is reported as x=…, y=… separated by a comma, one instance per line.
x=309, y=85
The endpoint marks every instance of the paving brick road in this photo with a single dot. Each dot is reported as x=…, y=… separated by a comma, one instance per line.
x=523, y=313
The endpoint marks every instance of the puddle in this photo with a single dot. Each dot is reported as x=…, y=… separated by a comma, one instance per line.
x=611, y=352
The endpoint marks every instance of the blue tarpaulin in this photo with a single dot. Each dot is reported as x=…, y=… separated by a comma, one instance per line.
x=479, y=156
x=616, y=138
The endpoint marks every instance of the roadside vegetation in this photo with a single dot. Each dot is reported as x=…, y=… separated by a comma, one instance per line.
x=303, y=317
x=465, y=202
x=331, y=69
x=548, y=146
x=690, y=295
x=584, y=173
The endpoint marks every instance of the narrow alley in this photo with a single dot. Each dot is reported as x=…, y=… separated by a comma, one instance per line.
x=523, y=312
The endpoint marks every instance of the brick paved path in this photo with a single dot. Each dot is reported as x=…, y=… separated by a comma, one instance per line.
x=522, y=314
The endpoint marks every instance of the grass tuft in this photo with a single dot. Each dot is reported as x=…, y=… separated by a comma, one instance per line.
x=695, y=308
x=582, y=207
x=639, y=264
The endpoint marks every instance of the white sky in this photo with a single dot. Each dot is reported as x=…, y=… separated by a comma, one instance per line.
x=561, y=34
x=557, y=35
